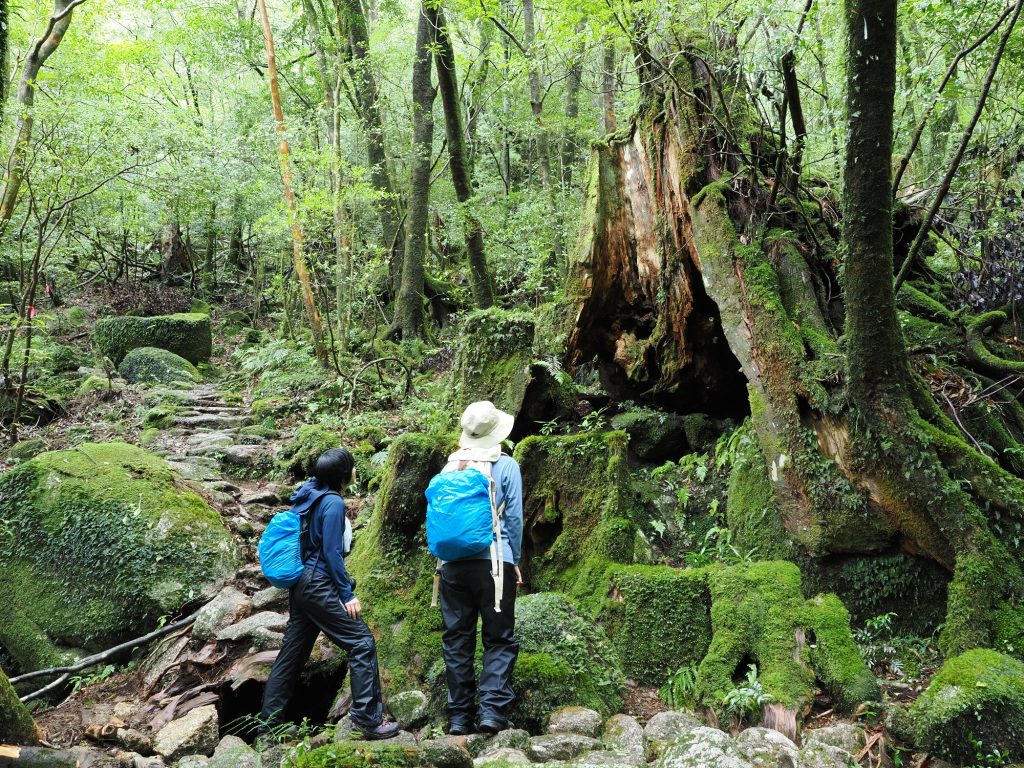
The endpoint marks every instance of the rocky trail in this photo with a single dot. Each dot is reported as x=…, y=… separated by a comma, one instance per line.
x=190, y=699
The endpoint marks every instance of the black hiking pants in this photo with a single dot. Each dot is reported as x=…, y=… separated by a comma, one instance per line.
x=467, y=593
x=315, y=606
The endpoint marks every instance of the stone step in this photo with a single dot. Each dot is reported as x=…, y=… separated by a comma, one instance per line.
x=210, y=420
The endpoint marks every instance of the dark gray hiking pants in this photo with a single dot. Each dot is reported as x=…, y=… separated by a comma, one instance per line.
x=467, y=592
x=315, y=606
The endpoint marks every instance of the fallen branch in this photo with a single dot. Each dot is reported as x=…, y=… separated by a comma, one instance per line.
x=97, y=658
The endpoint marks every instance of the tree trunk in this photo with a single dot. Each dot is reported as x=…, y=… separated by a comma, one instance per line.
x=570, y=148
x=174, y=257
x=444, y=60
x=409, y=304
x=298, y=244
x=608, y=67
x=674, y=259
x=536, y=96
x=351, y=17
x=43, y=48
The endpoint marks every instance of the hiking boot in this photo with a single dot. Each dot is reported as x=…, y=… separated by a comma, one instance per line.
x=383, y=731
x=459, y=729
x=490, y=726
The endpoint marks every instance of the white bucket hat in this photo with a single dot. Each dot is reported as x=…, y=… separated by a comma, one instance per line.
x=484, y=425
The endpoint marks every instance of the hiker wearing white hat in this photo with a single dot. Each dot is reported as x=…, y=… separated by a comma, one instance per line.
x=479, y=584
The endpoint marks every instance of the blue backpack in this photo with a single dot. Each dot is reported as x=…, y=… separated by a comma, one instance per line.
x=280, y=547
x=463, y=519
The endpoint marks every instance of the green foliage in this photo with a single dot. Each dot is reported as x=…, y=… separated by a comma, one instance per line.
x=566, y=660
x=680, y=691
x=98, y=541
x=351, y=755
x=16, y=724
x=745, y=701
x=186, y=335
x=83, y=681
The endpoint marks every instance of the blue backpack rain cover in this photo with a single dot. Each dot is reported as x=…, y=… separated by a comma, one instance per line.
x=280, y=549
x=459, y=515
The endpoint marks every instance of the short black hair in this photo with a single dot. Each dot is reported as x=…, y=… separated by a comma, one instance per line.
x=334, y=468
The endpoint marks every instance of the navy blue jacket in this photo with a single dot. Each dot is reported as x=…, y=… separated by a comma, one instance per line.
x=326, y=532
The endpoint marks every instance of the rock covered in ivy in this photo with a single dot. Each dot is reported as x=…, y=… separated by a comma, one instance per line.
x=188, y=335
x=196, y=733
x=151, y=365
x=978, y=697
x=410, y=709
x=564, y=660
x=103, y=540
x=579, y=720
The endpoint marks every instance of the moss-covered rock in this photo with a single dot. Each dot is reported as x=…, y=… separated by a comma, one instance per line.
x=658, y=618
x=151, y=365
x=977, y=698
x=93, y=384
x=187, y=335
x=759, y=616
x=653, y=435
x=26, y=449
x=492, y=359
x=393, y=568
x=16, y=724
x=298, y=457
x=577, y=514
x=98, y=542
x=564, y=660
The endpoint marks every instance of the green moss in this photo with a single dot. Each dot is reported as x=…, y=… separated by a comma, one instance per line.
x=759, y=615
x=653, y=435
x=979, y=696
x=566, y=660
x=393, y=568
x=576, y=522
x=98, y=542
x=298, y=457
x=95, y=383
x=26, y=449
x=74, y=317
x=353, y=755
x=148, y=437
x=752, y=514
x=916, y=301
x=187, y=335
x=150, y=365
x=658, y=618
x=160, y=417
x=492, y=359
x=16, y=724
x=923, y=333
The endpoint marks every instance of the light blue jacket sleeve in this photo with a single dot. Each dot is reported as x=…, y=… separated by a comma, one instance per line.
x=511, y=483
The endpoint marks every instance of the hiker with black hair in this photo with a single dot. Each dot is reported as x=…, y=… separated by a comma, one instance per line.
x=475, y=529
x=323, y=600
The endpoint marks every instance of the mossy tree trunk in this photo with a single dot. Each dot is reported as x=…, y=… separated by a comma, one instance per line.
x=447, y=83
x=16, y=724
x=409, y=304
x=685, y=253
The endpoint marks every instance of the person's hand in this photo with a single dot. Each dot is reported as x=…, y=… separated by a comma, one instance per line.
x=519, y=576
x=354, y=608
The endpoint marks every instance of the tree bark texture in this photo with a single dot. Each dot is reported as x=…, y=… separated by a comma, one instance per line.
x=298, y=239
x=677, y=282
x=352, y=19
x=409, y=305
x=447, y=84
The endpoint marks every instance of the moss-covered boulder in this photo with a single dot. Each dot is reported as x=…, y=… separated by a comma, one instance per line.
x=760, y=617
x=16, y=724
x=577, y=500
x=658, y=618
x=393, y=568
x=976, y=699
x=297, y=458
x=653, y=435
x=564, y=660
x=97, y=543
x=23, y=450
x=151, y=365
x=187, y=335
x=492, y=359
